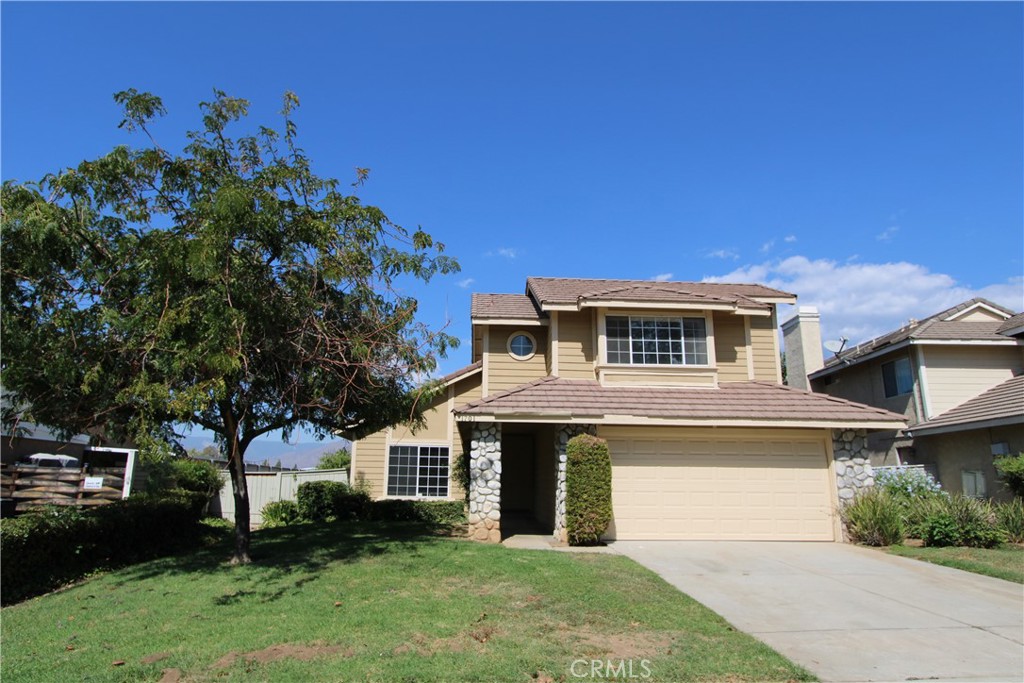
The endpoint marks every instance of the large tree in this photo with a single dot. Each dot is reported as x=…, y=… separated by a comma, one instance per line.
x=225, y=285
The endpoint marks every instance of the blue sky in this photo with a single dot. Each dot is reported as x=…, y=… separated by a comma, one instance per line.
x=867, y=157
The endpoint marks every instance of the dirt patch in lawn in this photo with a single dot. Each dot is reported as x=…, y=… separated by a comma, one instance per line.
x=629, y=645
x=170, y=676
x=155, y=657
x=281, y=651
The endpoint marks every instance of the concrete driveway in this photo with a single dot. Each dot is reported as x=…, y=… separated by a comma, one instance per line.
x=852, y=614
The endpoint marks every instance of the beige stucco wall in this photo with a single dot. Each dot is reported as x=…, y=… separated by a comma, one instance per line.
x=505, y=372
x=954, y=452
x=957, y=373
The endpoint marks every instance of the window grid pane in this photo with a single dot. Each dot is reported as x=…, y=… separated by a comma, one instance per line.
x=640, y=340
x=418, y=471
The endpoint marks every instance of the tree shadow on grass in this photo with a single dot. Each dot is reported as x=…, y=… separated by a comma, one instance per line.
x=287, y=559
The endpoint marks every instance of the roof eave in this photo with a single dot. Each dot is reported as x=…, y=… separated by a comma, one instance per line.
x=1009, y=420
x=639, y=420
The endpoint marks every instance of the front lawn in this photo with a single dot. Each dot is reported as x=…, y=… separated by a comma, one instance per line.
x=1005, y=562
x=373, y=603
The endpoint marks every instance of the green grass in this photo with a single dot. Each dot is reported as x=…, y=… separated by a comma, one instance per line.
x=1004, y=562
x=375, y=603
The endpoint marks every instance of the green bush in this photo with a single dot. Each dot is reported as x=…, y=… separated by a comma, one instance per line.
x=46, y=548
x=874, y=517
x=962, y=521
x=279, y=513
x=588, y=487
x=442, y=514
x=200, y=476
x=911, y=483
x=1011, y=471
x=335, y=460
x=916, y=511
x=320, y=501
x=1010, y=517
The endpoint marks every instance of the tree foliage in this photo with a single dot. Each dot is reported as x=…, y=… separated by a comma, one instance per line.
x=226, y=286
x=335, y=460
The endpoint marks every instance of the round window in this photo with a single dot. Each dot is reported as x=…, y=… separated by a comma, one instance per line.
x=521, y=345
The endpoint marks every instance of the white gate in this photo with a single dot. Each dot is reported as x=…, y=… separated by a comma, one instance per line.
x=266, y=487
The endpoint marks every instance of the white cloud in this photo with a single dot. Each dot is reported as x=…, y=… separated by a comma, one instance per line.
x=789, y=239
x=863, y=300
x=465, y=283
x=723, y=254
x=887, y=234
x=767, y=246
x=508, y=252
x=662, y=277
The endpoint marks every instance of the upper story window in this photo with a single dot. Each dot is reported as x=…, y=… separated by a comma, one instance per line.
x=897, y=377
x=642, y=340
x=522, y=346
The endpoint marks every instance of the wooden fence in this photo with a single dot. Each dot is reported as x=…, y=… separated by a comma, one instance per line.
x=30, y=485
x=266, y=487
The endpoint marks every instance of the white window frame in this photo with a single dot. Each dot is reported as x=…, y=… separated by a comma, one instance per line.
x=524, y=333
x=681, y=319
x=418, y=445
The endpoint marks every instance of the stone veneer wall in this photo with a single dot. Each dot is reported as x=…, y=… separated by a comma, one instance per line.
x=485, y=482
x=852, y=462
x=562, y=435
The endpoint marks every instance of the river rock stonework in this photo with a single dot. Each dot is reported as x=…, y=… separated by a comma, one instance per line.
x=485, y=483
x=852, y=463
x=562, y=435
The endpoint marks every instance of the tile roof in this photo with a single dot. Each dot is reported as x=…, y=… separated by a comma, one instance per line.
x=932, y=327
x=461, y=372
x=504, y=306
x=732, y=402
x=1002, y=402
x=1014, y=323
x=555, y=290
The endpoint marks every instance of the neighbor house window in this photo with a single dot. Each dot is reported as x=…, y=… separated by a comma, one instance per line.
x=418, y=471
x=973, y=482
x=636, y=340
x=897, y=377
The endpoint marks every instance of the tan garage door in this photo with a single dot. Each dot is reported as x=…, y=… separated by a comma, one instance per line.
x=703, y=484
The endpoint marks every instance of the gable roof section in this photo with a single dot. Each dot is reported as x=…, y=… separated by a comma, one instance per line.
x=553, y=293
x=461, y=373
x=748, y=404
x=1001, y=405
x=937, y=327
x=504, y=307
x=1013, y=327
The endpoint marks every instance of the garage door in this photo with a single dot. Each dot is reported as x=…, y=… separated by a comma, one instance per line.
x=697, y=484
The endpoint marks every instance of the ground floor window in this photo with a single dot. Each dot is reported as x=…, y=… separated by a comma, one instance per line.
x=418, y=471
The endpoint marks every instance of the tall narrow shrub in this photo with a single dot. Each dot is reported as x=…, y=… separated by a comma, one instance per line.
x=588, y=488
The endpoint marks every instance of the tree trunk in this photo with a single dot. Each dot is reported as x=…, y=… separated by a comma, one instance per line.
x=240, y=491
x=239, y=486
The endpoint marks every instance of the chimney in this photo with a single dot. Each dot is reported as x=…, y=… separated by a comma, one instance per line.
x=801, y=336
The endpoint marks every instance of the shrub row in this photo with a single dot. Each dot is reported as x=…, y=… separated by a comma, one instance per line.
x=321, y=501
x=46, y=548
x=877, y=517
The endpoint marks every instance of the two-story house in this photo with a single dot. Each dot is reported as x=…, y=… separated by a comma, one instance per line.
x=956, y=376
x=682, y=379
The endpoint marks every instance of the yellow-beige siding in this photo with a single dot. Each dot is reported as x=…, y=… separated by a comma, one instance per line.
x=576, y=344
x=763, y=338
x=731, y=348
x=371, y=452
x=954, y=374
x=505, y=372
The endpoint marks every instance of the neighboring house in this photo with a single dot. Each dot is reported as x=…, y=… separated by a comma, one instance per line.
x=955, y=376
x=683, y=380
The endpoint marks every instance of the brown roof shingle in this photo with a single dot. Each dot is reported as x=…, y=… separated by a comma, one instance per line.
x=504, y=306
x=932, y=327
x=733, y=402
x=557, y=290
x=1001, y=402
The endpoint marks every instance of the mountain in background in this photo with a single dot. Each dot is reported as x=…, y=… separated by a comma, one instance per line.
x=303, y=455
